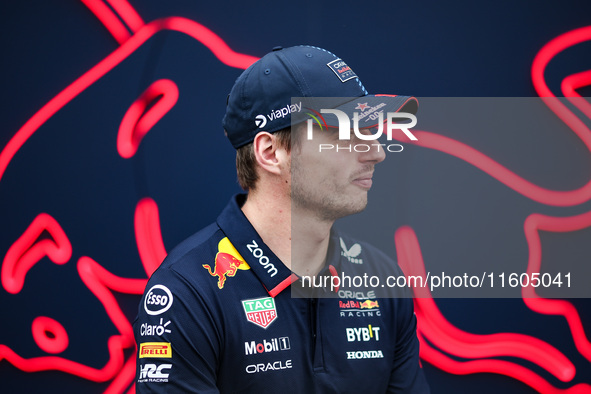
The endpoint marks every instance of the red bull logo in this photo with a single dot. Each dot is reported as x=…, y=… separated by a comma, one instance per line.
x=369, y=304
x=227, y=262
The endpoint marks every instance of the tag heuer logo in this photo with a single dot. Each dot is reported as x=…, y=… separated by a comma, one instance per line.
x=260, y=311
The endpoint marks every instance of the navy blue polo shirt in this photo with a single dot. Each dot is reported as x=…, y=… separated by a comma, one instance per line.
x=218, y=316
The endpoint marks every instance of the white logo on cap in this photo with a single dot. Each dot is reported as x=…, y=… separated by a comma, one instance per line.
x=260, y=121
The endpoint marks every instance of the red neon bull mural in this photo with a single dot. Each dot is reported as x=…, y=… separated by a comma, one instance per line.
x=525, y=358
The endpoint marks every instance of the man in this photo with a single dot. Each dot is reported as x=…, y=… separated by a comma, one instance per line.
x=218, y=316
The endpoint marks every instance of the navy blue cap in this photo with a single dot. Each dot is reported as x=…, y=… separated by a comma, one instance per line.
x=260, y=99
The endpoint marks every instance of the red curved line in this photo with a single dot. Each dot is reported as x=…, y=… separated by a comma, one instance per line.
x=148, y=235
x=100, y=282
x=3, y=156
x=211, y=40
x=539, y=64
x=472, y=346
x=501, y=367
x=43, y=324
x=127, y=13
x=533, y=224
x=576, y=81
x=461, y=343
x=191, y=28
x=108, y=19
x=502, y=174
x=94, y=276
x=569, y=88
x=549, y=51
x=426, y=308
x=124, y=378
x=28, y=250
x=53, y=363
x=137, y=121
x=105, y=280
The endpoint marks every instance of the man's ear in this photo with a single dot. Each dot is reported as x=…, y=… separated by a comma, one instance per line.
x=267, y=152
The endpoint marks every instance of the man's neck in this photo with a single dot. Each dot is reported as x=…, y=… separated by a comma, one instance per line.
x=300, y=244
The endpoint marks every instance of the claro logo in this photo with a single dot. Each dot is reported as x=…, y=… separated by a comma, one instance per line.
x=158, y=300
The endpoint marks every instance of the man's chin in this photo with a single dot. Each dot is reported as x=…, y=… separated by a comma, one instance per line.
x=361, y=208
x=355, y=207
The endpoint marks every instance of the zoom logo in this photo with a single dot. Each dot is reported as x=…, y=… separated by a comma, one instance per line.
x=263, y=260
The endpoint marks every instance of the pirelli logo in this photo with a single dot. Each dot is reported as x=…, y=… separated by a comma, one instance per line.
x=155, y=350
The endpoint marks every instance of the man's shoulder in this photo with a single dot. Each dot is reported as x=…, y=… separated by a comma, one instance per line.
x=200, y=243
x=186, y=259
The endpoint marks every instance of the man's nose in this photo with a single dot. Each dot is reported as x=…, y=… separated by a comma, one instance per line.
x=375, y=153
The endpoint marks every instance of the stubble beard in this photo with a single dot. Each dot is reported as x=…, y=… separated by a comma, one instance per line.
x=327, y=201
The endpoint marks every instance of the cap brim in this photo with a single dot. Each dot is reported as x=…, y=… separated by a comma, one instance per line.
x=368, y=109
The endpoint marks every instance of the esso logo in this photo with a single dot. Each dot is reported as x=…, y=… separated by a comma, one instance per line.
x=158, y=300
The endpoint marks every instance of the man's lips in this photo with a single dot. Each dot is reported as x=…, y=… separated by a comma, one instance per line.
x=364, y=181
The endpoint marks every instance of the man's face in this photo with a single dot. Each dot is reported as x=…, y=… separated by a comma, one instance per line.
x=330, y=183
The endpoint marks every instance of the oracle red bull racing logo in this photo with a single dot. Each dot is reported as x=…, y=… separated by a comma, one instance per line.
x=227, y=262
x=351, y=308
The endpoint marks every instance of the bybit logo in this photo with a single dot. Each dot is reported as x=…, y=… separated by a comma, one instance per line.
x=364, y=334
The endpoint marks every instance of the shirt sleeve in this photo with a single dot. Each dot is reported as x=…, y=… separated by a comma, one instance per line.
x=177, y=338
x=407, y=375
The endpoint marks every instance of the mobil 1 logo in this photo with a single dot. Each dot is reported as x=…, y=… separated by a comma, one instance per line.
x=273, y=345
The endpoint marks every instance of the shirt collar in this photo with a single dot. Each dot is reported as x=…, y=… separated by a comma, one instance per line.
x=332, y=267
x=267, y=267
